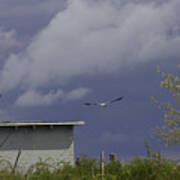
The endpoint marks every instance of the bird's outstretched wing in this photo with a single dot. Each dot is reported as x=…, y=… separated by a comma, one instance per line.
x=117, y=99
x=89, y=104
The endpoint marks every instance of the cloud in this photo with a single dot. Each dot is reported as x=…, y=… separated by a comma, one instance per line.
x=34, y=98
x=8, y=40
x=76, y=94
x=19, y=8
x=95, y=37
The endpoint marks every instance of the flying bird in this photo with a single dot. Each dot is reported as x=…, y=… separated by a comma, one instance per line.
x=104, y=104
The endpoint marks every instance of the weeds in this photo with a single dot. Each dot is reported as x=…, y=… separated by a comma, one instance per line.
x=153, y=167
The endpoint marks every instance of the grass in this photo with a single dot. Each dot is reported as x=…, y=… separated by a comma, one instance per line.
x=153, y=167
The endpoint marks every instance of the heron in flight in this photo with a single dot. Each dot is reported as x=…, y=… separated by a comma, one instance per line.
x=103, y=104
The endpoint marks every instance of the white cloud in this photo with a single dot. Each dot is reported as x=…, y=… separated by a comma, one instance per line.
x=97, y=37
x=76, y=94
x=35, y=98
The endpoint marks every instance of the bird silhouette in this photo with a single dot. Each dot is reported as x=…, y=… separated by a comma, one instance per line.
x=104, y=104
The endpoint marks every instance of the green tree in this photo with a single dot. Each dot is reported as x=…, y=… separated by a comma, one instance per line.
x=169, y=131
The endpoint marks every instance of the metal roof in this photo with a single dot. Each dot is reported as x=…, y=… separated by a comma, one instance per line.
x=40, y=123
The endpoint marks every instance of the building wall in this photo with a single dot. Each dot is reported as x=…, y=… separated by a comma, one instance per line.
x=38, y=142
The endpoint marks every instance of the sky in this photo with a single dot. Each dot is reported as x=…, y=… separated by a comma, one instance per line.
x=56, y=54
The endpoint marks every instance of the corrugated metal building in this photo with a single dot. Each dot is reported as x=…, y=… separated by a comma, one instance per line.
x=37, y=140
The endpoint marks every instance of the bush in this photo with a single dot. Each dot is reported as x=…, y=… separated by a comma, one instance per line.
x=153, y=167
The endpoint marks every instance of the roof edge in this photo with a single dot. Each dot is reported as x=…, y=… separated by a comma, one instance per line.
x=50, y=123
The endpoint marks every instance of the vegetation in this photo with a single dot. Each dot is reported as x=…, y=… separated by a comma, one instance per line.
x=153, y=167
x=169, y=131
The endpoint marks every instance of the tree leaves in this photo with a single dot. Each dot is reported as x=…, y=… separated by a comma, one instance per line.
x=169, y=131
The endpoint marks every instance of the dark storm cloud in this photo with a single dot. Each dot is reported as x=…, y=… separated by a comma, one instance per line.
x=19, y=8
x=28, y=17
